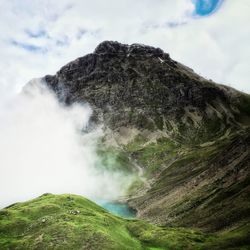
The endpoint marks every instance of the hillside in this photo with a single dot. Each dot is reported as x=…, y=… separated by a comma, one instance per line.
x=73, y=222
x=188, y=136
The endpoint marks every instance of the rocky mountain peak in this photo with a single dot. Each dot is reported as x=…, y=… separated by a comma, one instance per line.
x=142, y=87
x=113, y=47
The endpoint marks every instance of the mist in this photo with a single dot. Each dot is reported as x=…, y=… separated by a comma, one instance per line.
x=44, y=149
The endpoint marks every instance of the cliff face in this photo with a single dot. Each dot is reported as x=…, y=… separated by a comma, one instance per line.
x=141, y=86
x=189, y=135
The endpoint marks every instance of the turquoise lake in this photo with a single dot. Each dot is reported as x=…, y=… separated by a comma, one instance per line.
x=117, y=208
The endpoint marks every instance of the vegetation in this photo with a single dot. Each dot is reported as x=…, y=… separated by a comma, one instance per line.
x=73, y=222
x=152, y=155
x=212, y=194
x=112, y=159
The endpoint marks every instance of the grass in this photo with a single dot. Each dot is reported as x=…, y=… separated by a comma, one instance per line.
x=62, y=222
x=153, y=155
x=214, y=205
x=73, y=222
x=112, y=159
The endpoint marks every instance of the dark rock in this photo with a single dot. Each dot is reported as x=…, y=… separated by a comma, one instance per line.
x=138, y=85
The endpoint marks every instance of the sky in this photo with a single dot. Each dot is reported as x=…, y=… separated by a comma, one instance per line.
x=38, y=37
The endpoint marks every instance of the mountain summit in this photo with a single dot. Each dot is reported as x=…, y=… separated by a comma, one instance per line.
x=140, y=86
x=186, y=138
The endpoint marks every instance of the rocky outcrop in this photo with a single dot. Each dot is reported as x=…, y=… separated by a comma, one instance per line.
x=189, y=135
x=141, y=86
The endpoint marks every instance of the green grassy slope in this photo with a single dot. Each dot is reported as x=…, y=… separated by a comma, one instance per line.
x=204, y=186
x=73, y=222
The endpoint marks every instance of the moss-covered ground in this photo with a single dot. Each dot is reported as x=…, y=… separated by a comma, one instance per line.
x=73, y=222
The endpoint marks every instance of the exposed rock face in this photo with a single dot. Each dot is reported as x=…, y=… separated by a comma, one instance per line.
x=195, y=151
x=140, y=86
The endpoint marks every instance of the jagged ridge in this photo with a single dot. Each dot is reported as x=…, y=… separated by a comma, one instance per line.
x=141, y=86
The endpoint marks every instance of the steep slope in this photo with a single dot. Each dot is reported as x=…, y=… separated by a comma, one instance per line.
x=188, y=136
x=73, y=222
x=204, y=186
x=140, y=86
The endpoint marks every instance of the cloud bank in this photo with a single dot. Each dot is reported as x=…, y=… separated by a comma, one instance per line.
x=38, y=37
x=44, y=149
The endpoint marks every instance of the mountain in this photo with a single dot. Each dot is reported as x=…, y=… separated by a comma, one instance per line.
x=189, y=135
x=141, y=87
x=187, y=138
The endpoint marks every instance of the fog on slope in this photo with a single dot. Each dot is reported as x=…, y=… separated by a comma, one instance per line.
x=43, y=148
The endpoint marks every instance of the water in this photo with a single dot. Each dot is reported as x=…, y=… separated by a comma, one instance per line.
x=117, y=208
x=206, y=7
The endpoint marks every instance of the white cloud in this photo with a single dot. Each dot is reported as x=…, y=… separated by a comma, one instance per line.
x=44, y=150
x=216, y=46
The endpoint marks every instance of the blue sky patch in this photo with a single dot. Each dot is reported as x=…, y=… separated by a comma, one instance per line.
x=36, y=34
x=206, y=7
x=29, y=47
x=63, y=41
